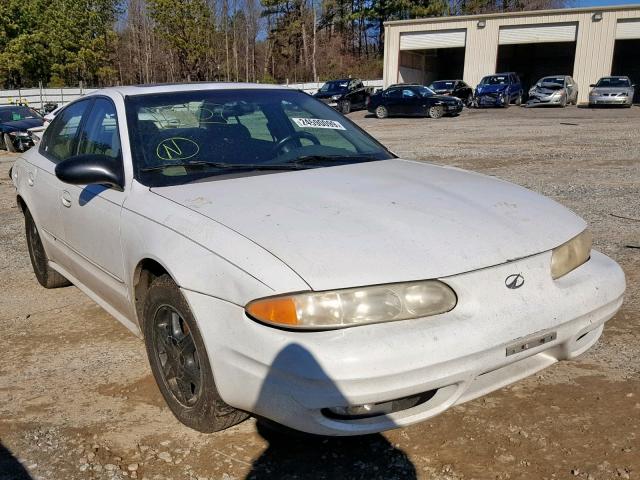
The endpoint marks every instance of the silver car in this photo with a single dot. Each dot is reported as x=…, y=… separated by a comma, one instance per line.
x=612, y=91
x=558, y=90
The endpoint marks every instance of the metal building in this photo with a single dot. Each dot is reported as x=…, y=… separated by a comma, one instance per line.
x=586, y=43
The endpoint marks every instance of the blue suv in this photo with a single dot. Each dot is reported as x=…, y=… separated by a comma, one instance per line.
x=499, y=90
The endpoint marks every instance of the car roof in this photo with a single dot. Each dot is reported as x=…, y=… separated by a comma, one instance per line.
x=622, y=77
x=448, y=80
x=133, y=90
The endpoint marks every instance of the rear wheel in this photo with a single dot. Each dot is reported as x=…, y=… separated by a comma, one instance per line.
x=46, y=276
x=345, y=107
x=382, y=112
x=179, y=362
x=435, y=111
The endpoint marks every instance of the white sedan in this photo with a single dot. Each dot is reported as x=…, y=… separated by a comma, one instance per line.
x=279, y=261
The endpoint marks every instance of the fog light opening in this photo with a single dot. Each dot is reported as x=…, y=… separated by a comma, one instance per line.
x=370, y=410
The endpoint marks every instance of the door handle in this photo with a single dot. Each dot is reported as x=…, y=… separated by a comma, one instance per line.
x=65, y=198
x=30, y=179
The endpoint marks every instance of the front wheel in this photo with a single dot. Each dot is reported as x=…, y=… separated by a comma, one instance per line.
x=382, y=112
x=469, y=101
x=519, y=100
x=179, y=362
x=345, y=107
x=435, y=111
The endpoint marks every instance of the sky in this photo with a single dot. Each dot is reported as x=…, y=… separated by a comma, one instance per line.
x=594, y=3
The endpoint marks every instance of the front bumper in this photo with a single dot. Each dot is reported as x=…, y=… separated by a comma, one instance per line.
x=290, y=377
x=535, y=100
x=610, y=100
x=490, y=100
x=453, y=108
x=21, y=143
x=329, y=102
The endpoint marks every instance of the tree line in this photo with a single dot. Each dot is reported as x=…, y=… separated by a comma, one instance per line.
x=109, y=42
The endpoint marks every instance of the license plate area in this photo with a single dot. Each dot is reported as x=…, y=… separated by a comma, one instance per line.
x=525, y=344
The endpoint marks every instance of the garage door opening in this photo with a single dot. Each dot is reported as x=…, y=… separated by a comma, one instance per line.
x=625, y=62
x=532, y=61
x=425, y=66
x=431, y=55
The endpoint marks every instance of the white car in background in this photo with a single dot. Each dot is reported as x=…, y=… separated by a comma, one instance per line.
x=279, y=261
x=37, y=132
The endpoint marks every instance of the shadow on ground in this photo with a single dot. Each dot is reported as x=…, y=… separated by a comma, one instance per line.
x=10, y=467
x=296, y=374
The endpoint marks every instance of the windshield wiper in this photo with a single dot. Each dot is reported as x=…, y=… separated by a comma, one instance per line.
x=226, y=166
x=304, y=159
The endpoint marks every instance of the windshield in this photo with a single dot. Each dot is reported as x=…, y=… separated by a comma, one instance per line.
x=613, y=82
x=425, y=91
x=495, y=80
x=442, y=85
x=180, y=137
x=550, y=81
x=335, y=86
x=15, y=114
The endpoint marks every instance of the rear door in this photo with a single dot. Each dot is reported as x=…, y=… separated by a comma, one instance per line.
x=411, y=102
x=392, y=99
x=91, y=213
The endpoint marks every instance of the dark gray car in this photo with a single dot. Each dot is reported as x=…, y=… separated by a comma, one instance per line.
x=612, y=91
x=559, y=90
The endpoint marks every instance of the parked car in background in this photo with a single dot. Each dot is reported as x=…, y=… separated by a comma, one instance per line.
x=280, y=261
x=455, y=88
x=15, y=121
x=345, y=95
x=413, y=100
x=36, y=132
x=558, y=90
x=612, y=91
x=499, y=90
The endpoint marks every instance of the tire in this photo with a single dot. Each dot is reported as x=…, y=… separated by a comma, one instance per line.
x=179, y=362
x=46, y=276
x=519, y=100
x=345, y=107
x=382, y=112
x=507, y=102
x=563, y=103
x=469, y=101
x=8, y=144
x=435, y=111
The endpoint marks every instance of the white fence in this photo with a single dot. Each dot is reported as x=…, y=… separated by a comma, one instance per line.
x=37, y=97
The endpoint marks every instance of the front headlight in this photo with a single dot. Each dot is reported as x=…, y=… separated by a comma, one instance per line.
x=19, y=134
x=571, y=255
x=623, y=94
x=354, y=306
x=335, y=97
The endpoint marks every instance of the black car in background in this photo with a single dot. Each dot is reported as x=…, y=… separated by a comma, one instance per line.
x=455, y=88
x=344, y=95
x=413, y=100
x=15, y=120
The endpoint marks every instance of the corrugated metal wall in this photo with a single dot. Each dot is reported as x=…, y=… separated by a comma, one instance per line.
x=594, y=47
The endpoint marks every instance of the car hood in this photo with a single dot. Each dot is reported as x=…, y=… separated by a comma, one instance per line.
x=21, y=125
x=442, y=91
x=383, y=221
x=484, y=89
x=328, y=94
x=444, y=98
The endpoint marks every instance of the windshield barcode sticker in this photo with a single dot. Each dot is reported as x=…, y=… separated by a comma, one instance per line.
x=318, y=123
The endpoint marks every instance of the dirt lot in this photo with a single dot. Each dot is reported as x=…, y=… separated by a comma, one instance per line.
x=77, y=400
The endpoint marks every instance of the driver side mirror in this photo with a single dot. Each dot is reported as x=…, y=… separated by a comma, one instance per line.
x=90, y=169
x=592, y=85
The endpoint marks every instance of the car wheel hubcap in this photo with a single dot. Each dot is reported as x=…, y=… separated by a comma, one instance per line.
x=177, y=356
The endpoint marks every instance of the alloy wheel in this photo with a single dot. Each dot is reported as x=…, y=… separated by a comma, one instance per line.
x=177, y=356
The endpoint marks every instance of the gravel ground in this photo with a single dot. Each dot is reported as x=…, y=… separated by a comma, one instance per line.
x=77, y=400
